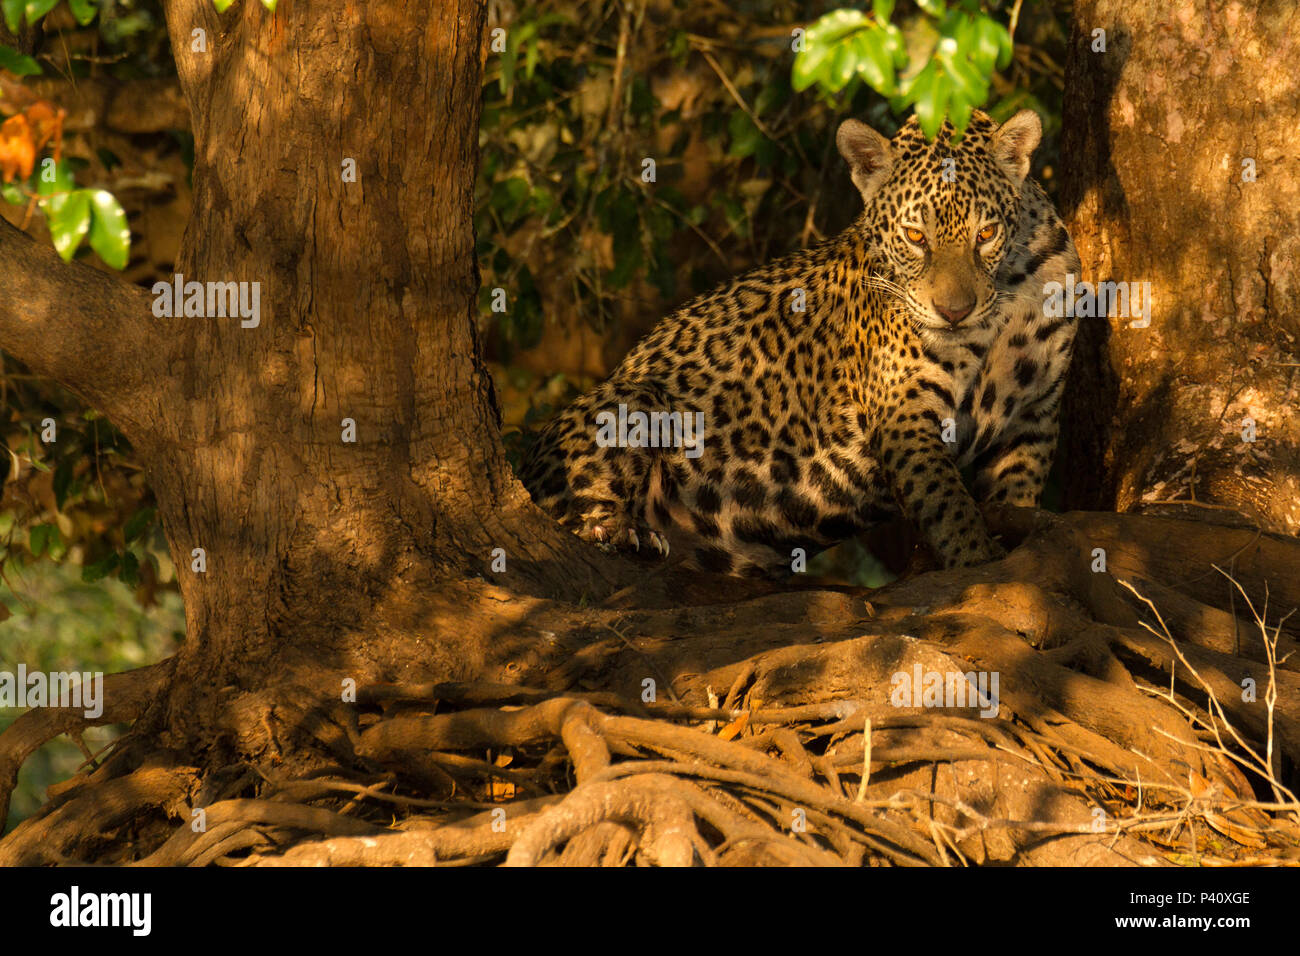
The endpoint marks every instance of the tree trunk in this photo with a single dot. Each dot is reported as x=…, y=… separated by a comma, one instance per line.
x=1179, y=170
x=367, y=292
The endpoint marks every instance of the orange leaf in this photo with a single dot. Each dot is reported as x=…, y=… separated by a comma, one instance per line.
x=46, y=120
x=733, y=729
x=17, y=149
x=1197, y=784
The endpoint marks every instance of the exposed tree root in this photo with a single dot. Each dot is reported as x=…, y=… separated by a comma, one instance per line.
x=768, y=733
x=126, y=696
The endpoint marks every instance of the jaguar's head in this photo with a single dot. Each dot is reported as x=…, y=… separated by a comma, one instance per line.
x=942, y=214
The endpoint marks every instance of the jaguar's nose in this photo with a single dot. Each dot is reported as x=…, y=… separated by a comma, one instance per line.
x=954, y=313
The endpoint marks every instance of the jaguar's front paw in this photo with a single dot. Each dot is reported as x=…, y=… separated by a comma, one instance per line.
x=616, y=533
x=978, y=550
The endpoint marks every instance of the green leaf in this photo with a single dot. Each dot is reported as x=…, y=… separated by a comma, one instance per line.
x=973, y=85
x=843, y=64
x=138, y=523
x=93, y=572
x=68, y=216
x=807, y=68
x=896, y=46
x=530, y=58
x=510, y=198
x=222, y=5
x=39, y=537
x=61, y=183
x=1006, y=45
x=520, y=35
x=38, y=8
x=130, y=570
x=110, y=236
x=929, y=91
x=83, y=10
x=17, y=63
x=883, y=10
x=45, y=539
x=961, y=28
x=959, y=111
x=935, y=8
x=773, y=94
x=835, y=26
x=745, y=136
x=809, y=65
x=12, y=193
x=270, y=4
x=640, y=99
x=13, y=11
x=874, y=62
x=821, y=50
x=507, y=77
x=989, y=40
x=63, y=481
x=679, y=46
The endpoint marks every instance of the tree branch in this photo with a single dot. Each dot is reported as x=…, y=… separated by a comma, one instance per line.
x=84, y=328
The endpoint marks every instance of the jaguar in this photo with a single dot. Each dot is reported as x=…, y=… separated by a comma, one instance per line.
x=846, y=384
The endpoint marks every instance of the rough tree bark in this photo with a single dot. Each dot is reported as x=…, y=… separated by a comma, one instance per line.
x=1179, y=170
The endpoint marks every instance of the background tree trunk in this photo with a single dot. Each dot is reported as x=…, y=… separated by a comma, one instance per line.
x=1158, y=131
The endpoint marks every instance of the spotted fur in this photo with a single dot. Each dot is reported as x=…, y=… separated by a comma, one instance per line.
x=922, y=347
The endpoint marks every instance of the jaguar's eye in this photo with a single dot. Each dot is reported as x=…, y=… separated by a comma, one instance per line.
x=914, y=235
x=987, y=233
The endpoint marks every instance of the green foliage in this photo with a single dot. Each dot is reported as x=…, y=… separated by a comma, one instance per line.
x=567, y=209
x=77, y=500
x=136, y=32
x=58, y=623
x=72, y=214
x=847, y=43
x=68, y=216
x=962, y=48
x=36, y=9
x=84, y=10
x=109, y=234
x=17, y=63
x=18, y=12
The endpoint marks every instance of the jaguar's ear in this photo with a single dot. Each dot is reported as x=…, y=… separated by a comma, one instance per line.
x=1015, y=141
x=867, y=153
